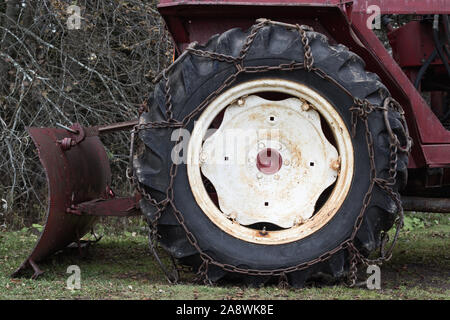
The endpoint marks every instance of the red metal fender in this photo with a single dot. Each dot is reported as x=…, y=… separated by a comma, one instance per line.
x=77, y=171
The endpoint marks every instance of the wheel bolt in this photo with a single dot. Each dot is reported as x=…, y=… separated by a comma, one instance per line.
x=299, y=221
x=336, y=164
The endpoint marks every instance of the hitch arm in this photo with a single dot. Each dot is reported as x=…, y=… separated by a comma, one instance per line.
x=118, y=207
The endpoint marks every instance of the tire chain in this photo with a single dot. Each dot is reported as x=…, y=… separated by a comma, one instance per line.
x=360, y=112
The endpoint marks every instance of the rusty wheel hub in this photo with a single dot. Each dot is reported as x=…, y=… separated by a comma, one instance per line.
x=270, y=162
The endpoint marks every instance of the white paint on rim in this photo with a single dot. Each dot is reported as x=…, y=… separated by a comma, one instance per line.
x=289, y=195
x=344, y=148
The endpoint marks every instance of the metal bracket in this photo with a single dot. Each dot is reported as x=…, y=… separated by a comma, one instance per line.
x=115, y=207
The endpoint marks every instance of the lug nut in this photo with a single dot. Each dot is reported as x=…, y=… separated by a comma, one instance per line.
x=336, y=164
x=299, y=221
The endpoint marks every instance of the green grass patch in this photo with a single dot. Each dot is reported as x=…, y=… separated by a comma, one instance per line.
x=120, y=266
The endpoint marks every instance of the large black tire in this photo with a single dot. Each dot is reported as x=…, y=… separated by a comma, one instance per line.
x=193, y=79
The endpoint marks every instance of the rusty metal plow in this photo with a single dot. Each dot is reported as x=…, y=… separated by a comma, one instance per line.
x=79, y=178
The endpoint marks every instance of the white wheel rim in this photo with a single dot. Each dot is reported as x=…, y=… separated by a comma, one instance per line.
x=239, y=204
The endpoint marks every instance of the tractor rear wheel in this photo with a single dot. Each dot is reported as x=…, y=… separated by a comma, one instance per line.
x=268, y=173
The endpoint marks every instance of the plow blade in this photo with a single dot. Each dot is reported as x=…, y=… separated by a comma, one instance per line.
x=77, y=171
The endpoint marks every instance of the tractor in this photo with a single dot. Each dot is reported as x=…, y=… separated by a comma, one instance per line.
x=282, y=144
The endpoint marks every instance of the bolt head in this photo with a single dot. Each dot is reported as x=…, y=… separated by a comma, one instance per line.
x=335, y=164
x=203, y=157
x=299, y=221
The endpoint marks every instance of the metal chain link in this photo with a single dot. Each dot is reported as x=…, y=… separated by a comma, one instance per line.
x=361, y=110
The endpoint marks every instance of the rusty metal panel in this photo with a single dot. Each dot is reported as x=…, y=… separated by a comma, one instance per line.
x=77, y=175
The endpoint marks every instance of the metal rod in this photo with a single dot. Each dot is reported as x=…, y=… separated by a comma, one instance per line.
x=118, y=126
x=118, y=207
x=66, y=128
x=437, y=205
x=37, y=271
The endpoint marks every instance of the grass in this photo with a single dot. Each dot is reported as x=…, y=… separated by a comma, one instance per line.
x=121, y=267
